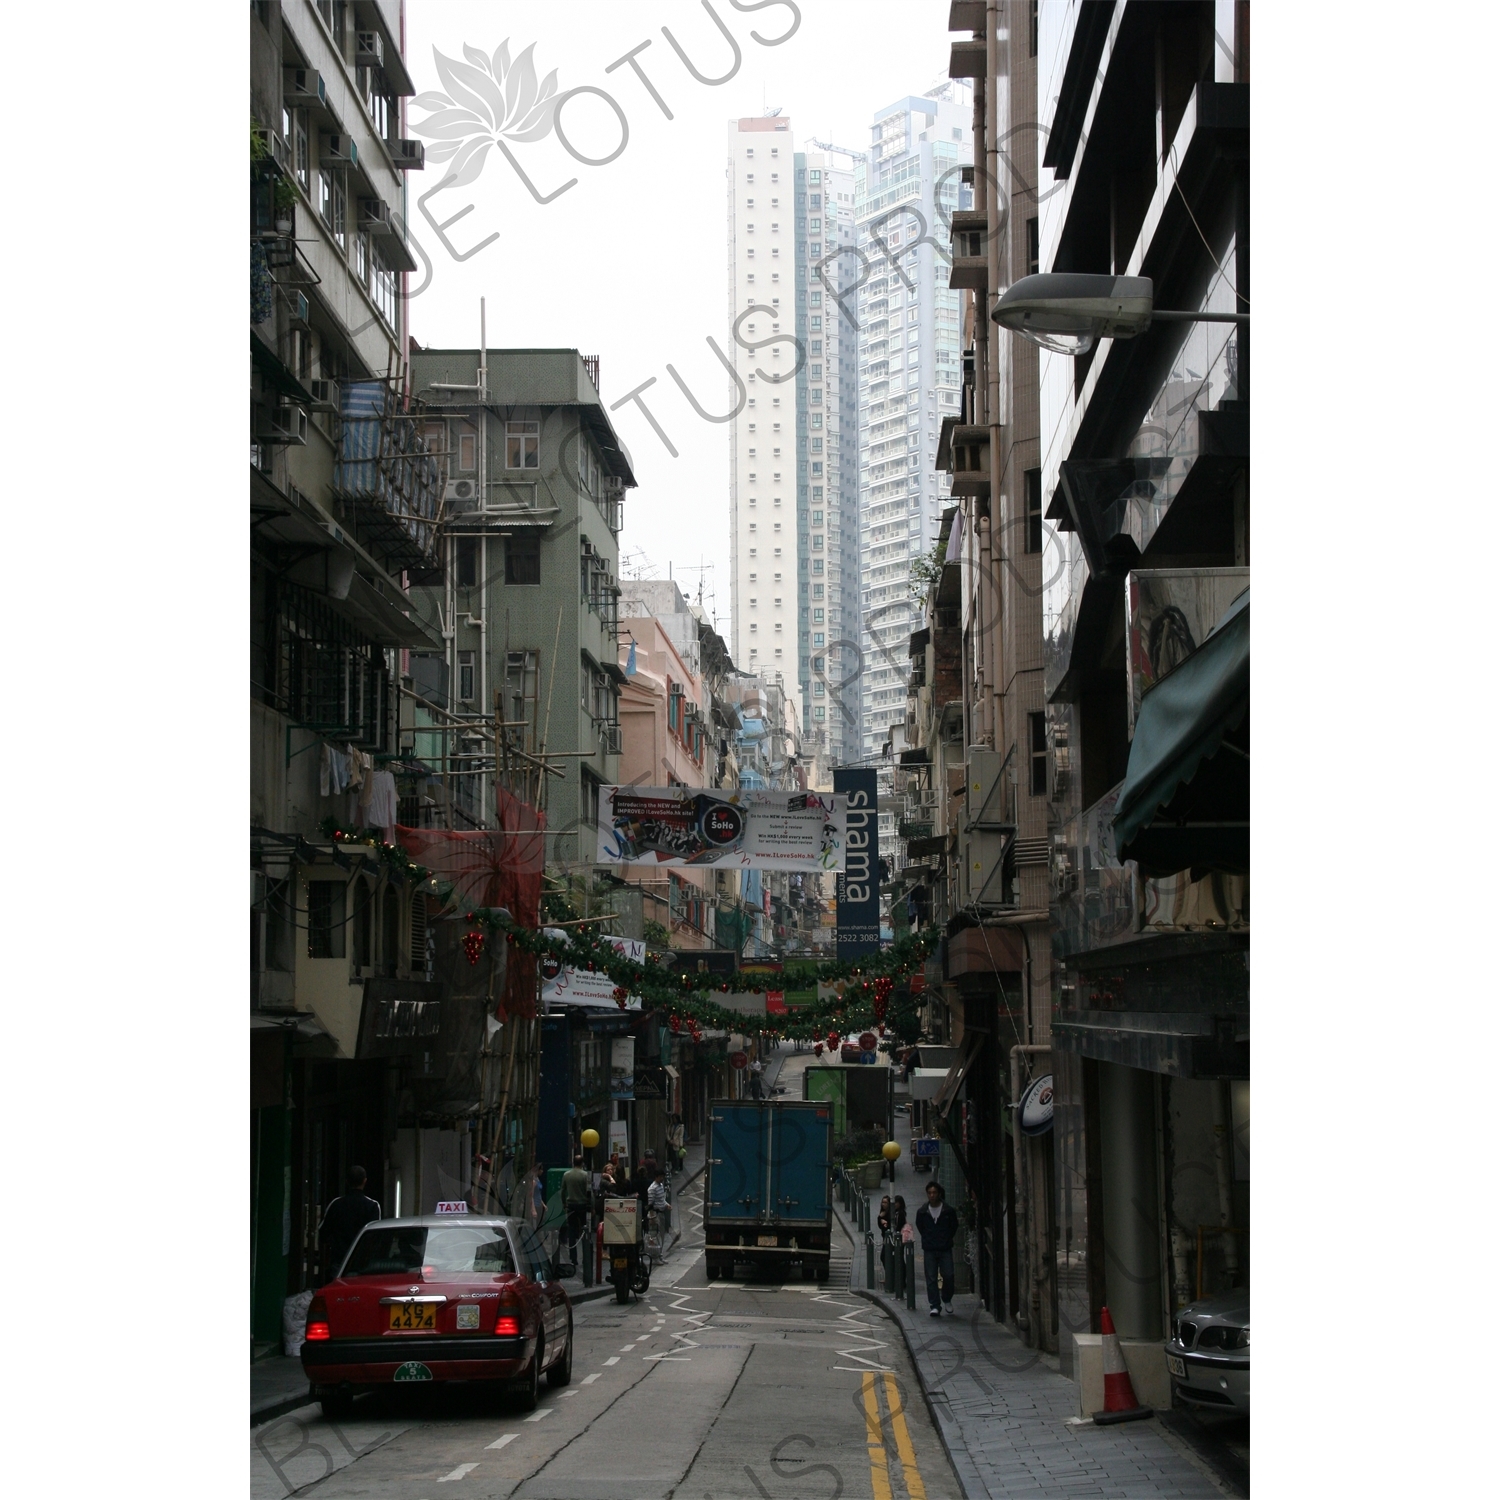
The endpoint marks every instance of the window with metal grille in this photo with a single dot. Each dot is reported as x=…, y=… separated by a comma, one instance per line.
x=1037, y=727
x=520, y=688
x=418, y=934
x=325, y=918
x=466, y=676
x=523, y=558
x=315, y=667
x=1033, y=481
x=466, y=561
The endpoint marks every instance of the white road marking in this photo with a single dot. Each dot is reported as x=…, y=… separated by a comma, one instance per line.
x=614, y=1359
x=685, y=1359
x=590, y=1379
x=563, y=1395
x=459, y=1472
x=537, y=1416
x=628, y=1349
x=509, y=1437
x=643, y=1338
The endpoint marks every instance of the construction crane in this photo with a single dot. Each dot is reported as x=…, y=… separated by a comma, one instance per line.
x=843, y=150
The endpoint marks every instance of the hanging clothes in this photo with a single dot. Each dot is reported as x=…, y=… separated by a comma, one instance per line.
x=333, y=772
x=359, y=768
x=380, y=811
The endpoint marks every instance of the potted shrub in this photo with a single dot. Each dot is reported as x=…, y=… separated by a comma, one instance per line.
x=284, y=206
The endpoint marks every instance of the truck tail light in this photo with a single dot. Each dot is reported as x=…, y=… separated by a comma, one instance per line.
x=317, y=1319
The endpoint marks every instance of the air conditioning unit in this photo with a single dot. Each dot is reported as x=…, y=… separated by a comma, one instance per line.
x=280, y=425
x=297, y=308
x=375, y=213
x=461, y=494
x=325, y=394
x=928, y=799
x=408, y=155
x=339, y=148
x=302, y=86
x=369, y=49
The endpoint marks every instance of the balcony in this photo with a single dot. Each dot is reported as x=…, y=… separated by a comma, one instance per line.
x=970, y=269
x=385, y=475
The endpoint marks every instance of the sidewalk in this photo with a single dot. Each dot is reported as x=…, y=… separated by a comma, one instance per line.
x=1007, y=1417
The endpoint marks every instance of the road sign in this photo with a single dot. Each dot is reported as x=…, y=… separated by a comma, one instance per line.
x=867, y=1042
x=738, y=1060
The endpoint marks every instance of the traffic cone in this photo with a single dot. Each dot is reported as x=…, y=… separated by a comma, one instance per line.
x=1120, y=1404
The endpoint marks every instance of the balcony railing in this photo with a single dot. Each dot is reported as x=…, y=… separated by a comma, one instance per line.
x=386, y=474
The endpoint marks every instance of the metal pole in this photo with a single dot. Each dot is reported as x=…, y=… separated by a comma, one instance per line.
x=869, y=1260
x=910, y=1259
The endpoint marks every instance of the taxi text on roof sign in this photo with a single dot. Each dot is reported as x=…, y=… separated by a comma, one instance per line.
x=453, y=1208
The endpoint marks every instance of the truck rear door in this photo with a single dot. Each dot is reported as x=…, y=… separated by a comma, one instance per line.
x=737, y=1160
x=800, y=1141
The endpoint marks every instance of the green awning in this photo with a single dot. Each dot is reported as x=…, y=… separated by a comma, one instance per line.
x=1185, y=801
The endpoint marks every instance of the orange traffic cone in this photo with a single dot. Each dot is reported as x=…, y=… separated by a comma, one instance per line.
x=1120, y=1404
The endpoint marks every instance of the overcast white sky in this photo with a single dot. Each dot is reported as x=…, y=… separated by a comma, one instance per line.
x=630, y=262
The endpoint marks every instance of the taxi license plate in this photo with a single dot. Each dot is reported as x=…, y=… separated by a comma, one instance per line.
x=766, y=1240
x=621, y=1261
x=414, y=1316
x=1177, y=1367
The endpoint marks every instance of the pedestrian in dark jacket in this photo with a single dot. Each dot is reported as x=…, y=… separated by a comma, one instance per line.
x=345, y=1217
x=937, y=1224
x=898, y=1214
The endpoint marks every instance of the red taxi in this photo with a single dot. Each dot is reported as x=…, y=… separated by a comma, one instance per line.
x=445, y=1297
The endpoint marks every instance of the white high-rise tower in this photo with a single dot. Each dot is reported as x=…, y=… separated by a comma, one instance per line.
x=765, y=580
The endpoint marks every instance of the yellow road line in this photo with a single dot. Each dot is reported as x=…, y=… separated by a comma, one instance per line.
x=914, y=1486
x=880, y=1472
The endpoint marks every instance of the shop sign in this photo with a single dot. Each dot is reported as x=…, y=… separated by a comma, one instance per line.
x=1036, y=1107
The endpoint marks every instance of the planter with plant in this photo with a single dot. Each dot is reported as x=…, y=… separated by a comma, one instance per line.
x=284, y=204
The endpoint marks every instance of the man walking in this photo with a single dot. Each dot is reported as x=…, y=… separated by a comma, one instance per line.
x=575, y=1197
x=344, y=1219
x=937, y=1224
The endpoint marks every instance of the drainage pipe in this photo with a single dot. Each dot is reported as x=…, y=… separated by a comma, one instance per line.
x=1027, y=1315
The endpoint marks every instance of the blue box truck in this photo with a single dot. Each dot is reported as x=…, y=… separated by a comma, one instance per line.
x=768, y=1199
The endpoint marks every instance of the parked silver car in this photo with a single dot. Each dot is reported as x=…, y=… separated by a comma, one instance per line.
x=1208, y=1356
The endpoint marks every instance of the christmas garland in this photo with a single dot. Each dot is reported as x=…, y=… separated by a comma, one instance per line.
x=864, y=986
x=867, y=984
x=393, y=856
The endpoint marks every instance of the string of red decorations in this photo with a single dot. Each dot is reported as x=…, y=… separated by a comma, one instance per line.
x=860, y=999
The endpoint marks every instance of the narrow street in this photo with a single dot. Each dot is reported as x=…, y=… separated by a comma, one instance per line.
x=729, y=1390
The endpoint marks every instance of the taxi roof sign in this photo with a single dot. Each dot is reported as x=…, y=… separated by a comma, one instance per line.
x=453, y=1208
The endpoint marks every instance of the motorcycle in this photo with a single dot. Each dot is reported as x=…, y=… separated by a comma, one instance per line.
x=629, y=1270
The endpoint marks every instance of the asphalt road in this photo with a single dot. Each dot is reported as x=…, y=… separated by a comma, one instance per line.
x=709, y=1391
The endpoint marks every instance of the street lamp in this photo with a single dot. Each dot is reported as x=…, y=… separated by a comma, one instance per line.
x=1069, y=311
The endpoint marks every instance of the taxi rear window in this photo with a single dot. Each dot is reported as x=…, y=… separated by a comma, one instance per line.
x=448, y=1252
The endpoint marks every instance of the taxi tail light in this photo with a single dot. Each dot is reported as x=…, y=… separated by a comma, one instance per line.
x=317, y=1319
x=508, y=1323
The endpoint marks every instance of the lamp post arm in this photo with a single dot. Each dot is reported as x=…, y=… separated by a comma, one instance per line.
x=1162, y=315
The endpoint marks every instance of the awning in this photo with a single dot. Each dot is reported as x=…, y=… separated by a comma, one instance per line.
x=925, y=1082
x=1185, y=801
x=949, y=1088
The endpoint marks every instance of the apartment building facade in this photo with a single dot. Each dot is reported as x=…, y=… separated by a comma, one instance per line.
x=909, y=371
x=525, y=599
x=1143, y=170
x=343, y=505
x=827, y=514
x=765, y=573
